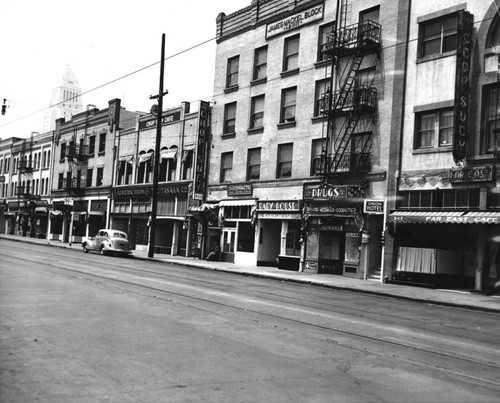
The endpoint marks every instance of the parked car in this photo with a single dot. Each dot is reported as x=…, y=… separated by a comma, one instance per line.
x=108, y=241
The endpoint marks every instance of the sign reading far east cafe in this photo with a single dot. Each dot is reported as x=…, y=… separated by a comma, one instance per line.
x=294, y=21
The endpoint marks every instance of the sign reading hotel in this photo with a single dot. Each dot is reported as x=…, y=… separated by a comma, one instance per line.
x=294, y=21
x=373, y=206
x=317, y=192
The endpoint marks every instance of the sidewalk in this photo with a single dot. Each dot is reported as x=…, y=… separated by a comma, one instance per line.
x=455, y=298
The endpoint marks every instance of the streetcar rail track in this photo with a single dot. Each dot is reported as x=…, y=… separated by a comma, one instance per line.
x=349, y=345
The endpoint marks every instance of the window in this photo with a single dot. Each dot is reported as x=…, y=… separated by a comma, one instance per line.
x=316, y=151
x=324, y=30
x=99, y=176
x=371, y=14
x=288, y=101
x=90, y=173
x=321, y=88
x=91, y=145
x=492, y=119
x=291, y=53
x=434, y=129
x=260, y=63
x=187, y=159
x=102, y=143
x=285, y=153
x=246, y=237
x=226, y=167
x=253, y=164
x=232, y=71
x=439, y=199
x=257, y=112
x=438, y=36
x=229, y=118
x=63, y=152
x=60, y=181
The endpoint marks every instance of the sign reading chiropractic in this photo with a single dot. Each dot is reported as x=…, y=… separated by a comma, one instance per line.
x=462, y=84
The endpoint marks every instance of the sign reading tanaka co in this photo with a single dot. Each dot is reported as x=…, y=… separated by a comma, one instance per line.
x=295, y=21
x=167, y=118
x=471, y=174
x=318, y=192
x=278, y=205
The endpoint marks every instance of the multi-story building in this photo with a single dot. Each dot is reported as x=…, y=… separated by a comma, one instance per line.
x=301, y=162
x=24, y=186
x=83, y=168
x=181, y=179
x=65, y=101
x=447, y=222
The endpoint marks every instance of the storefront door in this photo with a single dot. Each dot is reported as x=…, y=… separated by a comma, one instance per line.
x=331, y=252
x=228, y=242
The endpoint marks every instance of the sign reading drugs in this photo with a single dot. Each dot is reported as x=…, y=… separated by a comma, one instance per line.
x=294, y=21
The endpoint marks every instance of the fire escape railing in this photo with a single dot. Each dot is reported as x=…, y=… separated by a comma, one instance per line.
x=349, y=45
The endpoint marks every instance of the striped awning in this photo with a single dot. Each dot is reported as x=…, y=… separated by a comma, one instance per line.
x=445, y=217
x=242, y=202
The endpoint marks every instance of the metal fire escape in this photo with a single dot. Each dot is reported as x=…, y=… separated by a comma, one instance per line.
x=347, y=99
x=77, y=157
x=25, y=168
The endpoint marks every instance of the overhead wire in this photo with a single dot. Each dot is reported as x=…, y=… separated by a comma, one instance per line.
x=189, y=49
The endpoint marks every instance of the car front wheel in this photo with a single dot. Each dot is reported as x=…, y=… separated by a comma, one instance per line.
x=102, y=250
x=85, y=249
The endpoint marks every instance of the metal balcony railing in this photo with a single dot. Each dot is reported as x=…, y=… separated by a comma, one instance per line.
x=363, y=99
x=349, y=162
x=75, y=152
x=25, y=166
x=362, y=36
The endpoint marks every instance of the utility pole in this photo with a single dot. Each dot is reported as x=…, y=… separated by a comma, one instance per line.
x=156, y=165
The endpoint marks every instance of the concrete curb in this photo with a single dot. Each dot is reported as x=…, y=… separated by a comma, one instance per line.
x=315, y=283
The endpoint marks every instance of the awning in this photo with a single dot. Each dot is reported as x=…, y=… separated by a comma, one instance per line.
x=483, y=217
x=171, y=217
x=243, y=202
x=166, y=154
x=202, y=208
x=96, y=213
x=445, y=217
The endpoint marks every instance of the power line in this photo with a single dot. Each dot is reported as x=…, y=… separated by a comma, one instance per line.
x=185, y=51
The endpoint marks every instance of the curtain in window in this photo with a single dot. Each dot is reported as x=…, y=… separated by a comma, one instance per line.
x=417, y=260
x=427, y=124
x=446, y=128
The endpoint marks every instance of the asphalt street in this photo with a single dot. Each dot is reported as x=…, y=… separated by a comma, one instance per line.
x=82, y=328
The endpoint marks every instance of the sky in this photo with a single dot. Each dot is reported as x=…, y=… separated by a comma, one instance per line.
x=108, y=44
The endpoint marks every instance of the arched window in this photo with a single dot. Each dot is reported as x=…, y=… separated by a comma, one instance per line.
x=493, y=39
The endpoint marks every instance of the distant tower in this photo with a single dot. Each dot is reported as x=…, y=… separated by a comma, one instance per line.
x=66, y=101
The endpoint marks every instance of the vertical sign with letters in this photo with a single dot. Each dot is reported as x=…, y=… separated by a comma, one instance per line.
x=462, y=85
x=201, y=150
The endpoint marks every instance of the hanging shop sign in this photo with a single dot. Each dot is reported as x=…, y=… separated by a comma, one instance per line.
x=166, y=118
x=294, y=21
x=471, y=174
x=462, y=85
x=278, y=205
x=201, y=151
x=318, y=192
x=373, y=206
x=244, y=189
